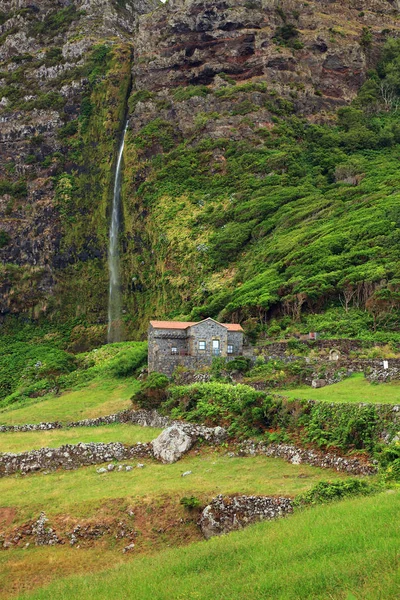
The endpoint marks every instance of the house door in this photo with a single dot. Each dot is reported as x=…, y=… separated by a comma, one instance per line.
x=215, y=348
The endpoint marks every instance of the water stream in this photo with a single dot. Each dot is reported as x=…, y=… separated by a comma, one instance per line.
x=114, y=295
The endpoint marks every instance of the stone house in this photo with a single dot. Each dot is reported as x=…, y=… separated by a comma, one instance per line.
x=192, y=345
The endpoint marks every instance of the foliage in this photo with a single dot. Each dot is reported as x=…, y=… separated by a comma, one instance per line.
x=239, y=407
x=389, y=460
x=56, y=22
x=328, y=491
x=4, y=239
x=152, y=391
x=190, y=503
x=127, y=362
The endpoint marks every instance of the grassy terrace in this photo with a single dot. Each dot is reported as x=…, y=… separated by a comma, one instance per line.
x=99, y=398
x=79, y=492
x=354, y=389
x=153, y=493
x=31, y=440
x=344, y=551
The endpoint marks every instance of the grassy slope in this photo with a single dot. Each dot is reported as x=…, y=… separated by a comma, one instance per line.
x=355, y=389
x=30, y=440
x=345, y=550
x=77, y=492
x=102, y=397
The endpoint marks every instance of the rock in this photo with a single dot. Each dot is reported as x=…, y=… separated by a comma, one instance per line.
x=186, y=473
x=129, y=468
x=225, y=514
x=101, y=470
x=110, y=467
x=128, y=548
x=140, y=466
x=172, y=444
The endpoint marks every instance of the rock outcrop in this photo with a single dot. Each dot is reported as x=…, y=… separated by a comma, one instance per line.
x=62, y=104
x=229, y=513
x=172, y=444
x=178, y=439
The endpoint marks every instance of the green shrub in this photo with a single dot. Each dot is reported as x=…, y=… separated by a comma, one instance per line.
x=191, y=503
x=4, y=239
x=326, y=491
x=152, y=392
x=129, y=360
x=240, y=408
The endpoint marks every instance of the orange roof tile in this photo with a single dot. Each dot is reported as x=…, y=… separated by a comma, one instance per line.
x=171, y=324
x=186, y=324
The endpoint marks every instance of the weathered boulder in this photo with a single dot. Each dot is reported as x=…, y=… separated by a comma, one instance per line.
x=172, y=444
x=227, y=513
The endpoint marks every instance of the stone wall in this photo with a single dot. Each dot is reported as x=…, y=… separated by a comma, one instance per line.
x=297, y=456
x=70, y=457
x=228, y=513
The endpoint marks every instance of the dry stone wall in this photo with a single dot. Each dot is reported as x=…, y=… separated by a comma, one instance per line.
x=227, y=513
x=70, y=457
x=297, y=456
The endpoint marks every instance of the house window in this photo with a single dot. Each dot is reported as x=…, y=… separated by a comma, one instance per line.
x=230, y=349
x=202, y=345
x=215, y=348
x=174, y=350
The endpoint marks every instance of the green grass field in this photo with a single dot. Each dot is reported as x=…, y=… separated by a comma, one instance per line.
x=77, y=492
x=344, y=551
x=102, y=397
x=31, y=440
x=354, y=389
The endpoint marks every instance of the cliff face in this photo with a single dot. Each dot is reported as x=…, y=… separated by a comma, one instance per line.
x=203, y=72
x=54, y=57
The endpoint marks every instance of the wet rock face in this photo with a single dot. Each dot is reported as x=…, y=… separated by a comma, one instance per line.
x=192, y=42
x=227, y=513
x=43, y=47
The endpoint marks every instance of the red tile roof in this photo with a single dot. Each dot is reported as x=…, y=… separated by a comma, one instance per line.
x=171, y=324
x=186, y=324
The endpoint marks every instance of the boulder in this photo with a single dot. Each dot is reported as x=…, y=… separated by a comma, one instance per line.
x=172, y=444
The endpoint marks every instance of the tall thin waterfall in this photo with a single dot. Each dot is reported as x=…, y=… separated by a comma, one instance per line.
x=114, y=296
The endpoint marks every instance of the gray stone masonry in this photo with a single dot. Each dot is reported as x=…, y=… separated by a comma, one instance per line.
x=193, y=346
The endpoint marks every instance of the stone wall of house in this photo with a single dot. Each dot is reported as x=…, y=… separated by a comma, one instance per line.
x=235, y=338
x=207, y=330
x=186, y=341
x=161, y=342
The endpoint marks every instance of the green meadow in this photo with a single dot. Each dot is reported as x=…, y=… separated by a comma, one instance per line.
x=343, y=551
x=355, y=389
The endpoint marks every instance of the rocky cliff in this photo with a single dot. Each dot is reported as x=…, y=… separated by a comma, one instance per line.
x=213, y=81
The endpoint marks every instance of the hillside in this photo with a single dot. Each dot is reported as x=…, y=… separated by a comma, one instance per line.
x=246, y=194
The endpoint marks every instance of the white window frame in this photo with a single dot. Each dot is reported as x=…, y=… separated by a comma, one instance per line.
x=202, y=343
x=174, y=350
x=230, y=349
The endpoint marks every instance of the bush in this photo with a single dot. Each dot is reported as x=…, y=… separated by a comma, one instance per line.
x=153, y=391
x=326, y=491
x=129, y=360
x=239, y=407
x=190, y=503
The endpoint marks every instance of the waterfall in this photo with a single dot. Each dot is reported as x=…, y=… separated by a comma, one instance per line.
x=114, y=296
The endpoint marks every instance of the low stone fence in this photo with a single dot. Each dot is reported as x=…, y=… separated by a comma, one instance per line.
x=168, y=447
x=70, y=456
x=228, y=513
x=298, y=456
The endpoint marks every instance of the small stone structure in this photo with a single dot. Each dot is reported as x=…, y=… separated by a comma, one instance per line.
x=228, y=513
x=193, y=345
